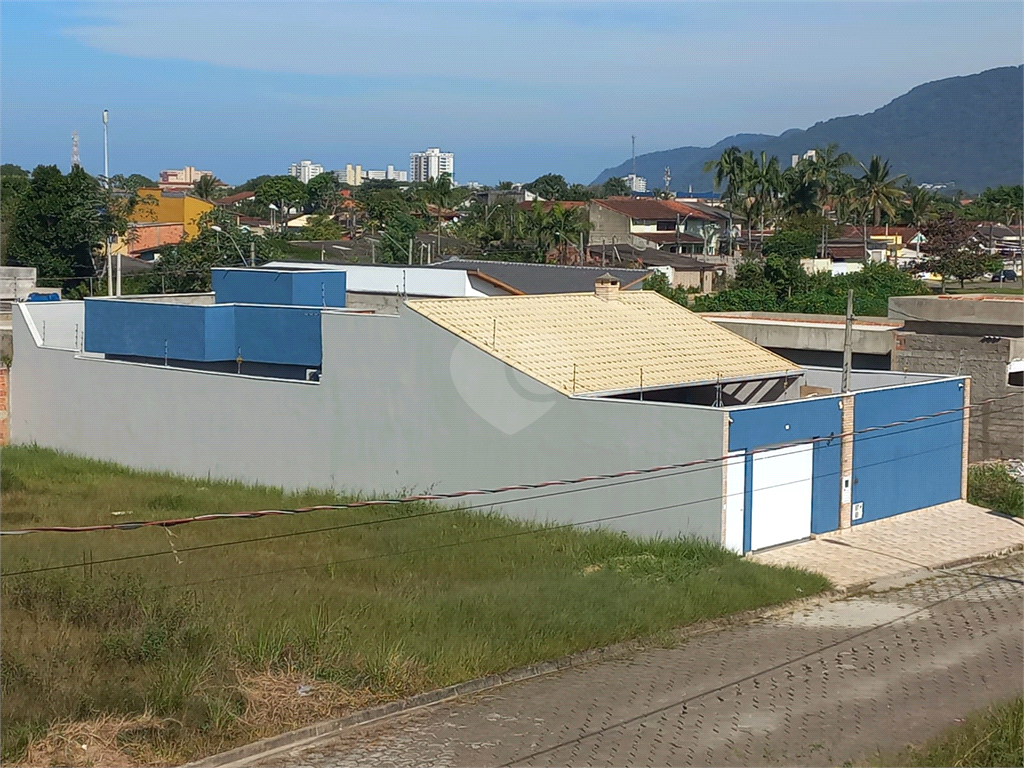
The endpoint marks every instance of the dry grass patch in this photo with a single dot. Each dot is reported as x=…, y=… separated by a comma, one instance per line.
x=104, y=742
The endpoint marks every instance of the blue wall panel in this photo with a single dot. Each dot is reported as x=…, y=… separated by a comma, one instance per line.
x=764, y=426
x=319, y=289
x=204, y=333
x=917, y=465
x=279, y=287
x=142, y=328
x=285, y=335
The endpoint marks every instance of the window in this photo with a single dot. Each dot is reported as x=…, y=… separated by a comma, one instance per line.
x=1015, y=373
x=666, y=225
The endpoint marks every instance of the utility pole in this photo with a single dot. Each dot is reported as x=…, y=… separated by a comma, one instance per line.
x=848, y=342
x=634, y=162
x=106, y=180
x=581, y=248
x=410, y=251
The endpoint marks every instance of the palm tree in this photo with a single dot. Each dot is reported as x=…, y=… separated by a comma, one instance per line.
x=568, y=224
x=208, y=187
x=439, y=193
x=728, y=171
x=766, y=183
x=880, y=191
x=919, y=206
x=824, y=171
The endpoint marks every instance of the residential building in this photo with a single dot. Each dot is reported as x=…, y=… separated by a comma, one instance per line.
x=273, y=358
x=181, y=180
x=431, y=164
x=305, y=170
x=810, y=154
x=659, y=224
x=636, y=183
x=163, y=207
x=352, y=175
x=234, y=200
x=145, y=240
x=389, y=174
x=517, y=194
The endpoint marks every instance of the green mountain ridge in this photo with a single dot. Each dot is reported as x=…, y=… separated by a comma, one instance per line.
x=964, y=131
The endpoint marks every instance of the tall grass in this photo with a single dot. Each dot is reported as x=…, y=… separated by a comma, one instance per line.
x=989, y=739
x=992, y=486
x=179, y=634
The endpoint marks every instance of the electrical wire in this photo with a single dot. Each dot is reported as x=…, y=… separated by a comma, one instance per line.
x=168, y=523
x=448, y=510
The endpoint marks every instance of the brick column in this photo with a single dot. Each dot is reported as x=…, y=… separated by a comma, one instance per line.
x=846, y=462
x=967, y=438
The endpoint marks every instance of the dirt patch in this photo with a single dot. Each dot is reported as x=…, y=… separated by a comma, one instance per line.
x=110, y=742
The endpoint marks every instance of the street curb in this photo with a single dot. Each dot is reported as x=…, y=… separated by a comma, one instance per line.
x=274, y=744
x=862, y=586
x=240, y=756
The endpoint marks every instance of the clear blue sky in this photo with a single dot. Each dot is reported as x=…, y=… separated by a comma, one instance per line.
x=513, y=89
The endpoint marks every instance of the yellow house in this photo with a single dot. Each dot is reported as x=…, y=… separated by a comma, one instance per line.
x=160, y=206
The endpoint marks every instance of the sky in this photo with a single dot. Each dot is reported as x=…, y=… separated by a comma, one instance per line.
x=515, y=90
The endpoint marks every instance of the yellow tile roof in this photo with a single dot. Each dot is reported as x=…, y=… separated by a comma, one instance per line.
x=579, y=343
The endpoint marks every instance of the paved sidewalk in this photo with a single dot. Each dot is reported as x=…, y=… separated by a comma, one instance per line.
x=928, y=538
x=823, y=685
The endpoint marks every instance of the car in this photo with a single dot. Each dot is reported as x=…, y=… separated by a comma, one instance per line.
x=1005, y=276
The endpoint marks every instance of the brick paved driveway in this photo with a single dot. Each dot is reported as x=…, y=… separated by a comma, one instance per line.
x=820, y=686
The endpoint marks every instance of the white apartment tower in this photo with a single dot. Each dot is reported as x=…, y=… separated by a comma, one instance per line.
x=305, y=170
x=424, y=166
x=636, y=183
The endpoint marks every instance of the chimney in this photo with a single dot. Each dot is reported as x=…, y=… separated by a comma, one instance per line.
x=606, y=287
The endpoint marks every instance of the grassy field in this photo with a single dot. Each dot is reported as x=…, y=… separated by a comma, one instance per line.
x=988, y=739
x=992, y=486
x=183, y=653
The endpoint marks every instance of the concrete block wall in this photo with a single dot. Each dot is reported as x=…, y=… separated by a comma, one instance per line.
x=995, y=428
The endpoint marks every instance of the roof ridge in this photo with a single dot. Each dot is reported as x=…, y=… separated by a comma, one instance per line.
x=539, y=264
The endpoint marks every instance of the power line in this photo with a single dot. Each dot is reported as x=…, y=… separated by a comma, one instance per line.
x=169, y=523
x=434, y=512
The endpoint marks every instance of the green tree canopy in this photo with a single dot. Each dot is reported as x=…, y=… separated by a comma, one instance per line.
x=283, y=191
x=62, y=222
x=616, y=186
x=322, y=227
x=550, y=186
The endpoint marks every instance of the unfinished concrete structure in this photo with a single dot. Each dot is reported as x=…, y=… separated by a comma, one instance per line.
x=981, y=336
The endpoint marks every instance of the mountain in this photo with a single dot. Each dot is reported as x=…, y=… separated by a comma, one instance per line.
x=967, y=132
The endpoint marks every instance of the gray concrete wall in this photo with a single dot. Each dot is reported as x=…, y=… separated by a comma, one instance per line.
x=824, y=333
x=996, y=428
x=832, y=378
x=401, y=405
x=980, y=310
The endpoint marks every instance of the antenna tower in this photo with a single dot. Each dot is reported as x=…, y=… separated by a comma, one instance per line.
x=74, y=150
x=668, y=178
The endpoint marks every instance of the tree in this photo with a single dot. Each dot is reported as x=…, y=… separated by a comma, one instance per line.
x=918, y=207
x=729, y=173
x=582, y=192
x=132, y=183
x=208, y=188
x=252, y=184
x=615, y=187
x=823, y=172
x=185, y=267
x=567, y=224
x=1002, y=204
x=12, y=188
x=550, y=186
x=322, y=227
x=879, y=191
x=954, y=250
x=63, y=221
x=324, y=193
x=285, y=192
x=10, y=169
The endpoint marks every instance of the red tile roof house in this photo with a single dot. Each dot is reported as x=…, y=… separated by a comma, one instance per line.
x=660, y=224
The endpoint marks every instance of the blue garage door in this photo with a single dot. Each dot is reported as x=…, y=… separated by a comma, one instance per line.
x=899, y=469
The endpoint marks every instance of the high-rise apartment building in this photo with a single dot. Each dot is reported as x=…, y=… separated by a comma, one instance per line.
x=424, y=166
x=305, y=170
x=636, y=183
x=387, y=175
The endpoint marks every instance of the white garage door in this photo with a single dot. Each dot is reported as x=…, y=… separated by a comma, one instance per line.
x=781, y=510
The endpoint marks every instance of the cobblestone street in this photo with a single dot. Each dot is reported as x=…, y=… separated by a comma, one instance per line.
x=823, y=685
